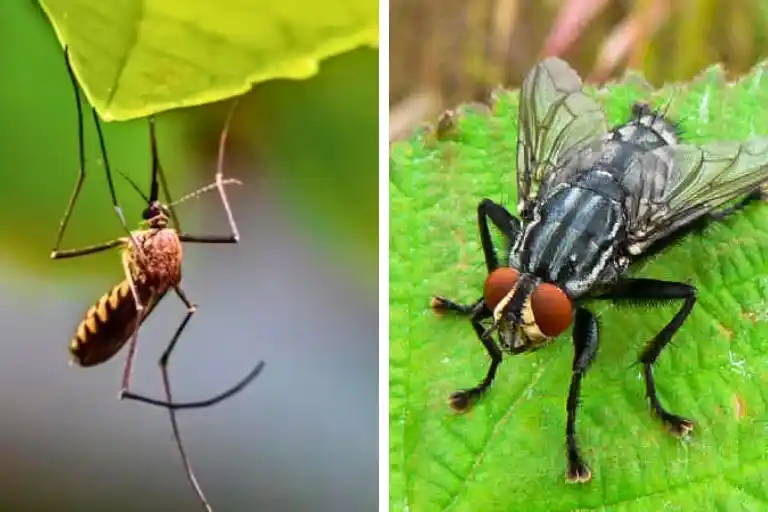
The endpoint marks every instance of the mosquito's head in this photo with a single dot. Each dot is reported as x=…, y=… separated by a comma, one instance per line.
x=526, y=311
x=156, y=215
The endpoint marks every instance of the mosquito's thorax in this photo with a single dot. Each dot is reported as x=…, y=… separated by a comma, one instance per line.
x=163, y=254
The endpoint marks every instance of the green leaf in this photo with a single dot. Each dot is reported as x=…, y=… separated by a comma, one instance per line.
x=138, y=57
x=507, y=453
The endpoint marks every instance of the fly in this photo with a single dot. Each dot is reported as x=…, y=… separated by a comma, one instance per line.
x=151, y=258
x=591, y=203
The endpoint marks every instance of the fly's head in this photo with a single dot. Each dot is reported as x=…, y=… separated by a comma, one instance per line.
x=527, y=312
x=156, y=215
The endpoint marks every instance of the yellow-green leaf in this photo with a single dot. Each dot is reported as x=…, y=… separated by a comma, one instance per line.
x=137, y=57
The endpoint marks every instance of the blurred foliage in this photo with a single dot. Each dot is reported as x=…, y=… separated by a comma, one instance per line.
x=316, y=138
x=135, y=58
x=507, y=453
x=456, y=51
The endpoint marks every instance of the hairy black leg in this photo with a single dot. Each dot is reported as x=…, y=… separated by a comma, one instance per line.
x=444, y=304
x=462, y=399
x=510, y=228
x=645, y=290
x=755, y=195
x=586, y=338
x=502, y=219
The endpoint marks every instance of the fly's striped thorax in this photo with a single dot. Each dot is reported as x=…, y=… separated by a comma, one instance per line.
x=573, y=235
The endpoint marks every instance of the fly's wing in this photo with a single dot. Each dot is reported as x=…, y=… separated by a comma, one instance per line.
x=556, y=117
x=680, y=183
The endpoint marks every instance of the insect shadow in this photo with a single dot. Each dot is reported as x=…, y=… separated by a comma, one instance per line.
x=151, y=256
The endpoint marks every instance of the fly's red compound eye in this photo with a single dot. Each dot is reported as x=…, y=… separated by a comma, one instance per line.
x=498, y=284
x=552, y=309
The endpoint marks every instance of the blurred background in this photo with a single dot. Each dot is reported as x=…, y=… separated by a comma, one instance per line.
x=445, y=52
x=299, y=292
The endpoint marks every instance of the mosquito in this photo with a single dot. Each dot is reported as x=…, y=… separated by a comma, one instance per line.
x=151, y=259
x=591, y=203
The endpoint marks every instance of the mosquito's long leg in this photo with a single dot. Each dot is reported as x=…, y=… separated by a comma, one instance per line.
x=128, y=370
x=81, y=149
x=169, y=404
x=171, y=412
x=234, y=236
x=69, y=253
x=91, y=249
x=199, y=404
x=118, y=210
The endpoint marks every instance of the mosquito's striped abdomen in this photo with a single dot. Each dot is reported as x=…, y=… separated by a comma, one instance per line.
x=108, y=324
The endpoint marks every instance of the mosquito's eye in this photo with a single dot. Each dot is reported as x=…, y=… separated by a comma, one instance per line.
x=552, y=309
x=498, y=284
x=148, y=213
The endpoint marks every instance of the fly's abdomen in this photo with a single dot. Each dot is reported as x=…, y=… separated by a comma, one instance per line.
x=107, y=325
x=647, y=129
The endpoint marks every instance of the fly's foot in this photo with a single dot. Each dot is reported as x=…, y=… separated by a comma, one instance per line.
x=578, y=471
x=677, y=425
x=441, y=304
x=463, y=399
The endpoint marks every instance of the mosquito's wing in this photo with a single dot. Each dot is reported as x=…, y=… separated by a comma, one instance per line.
x=556, y=117
x=109, y=324
x=678, y=184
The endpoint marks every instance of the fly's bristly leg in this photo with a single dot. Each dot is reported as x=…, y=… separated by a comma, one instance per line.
x=652, y=290
x=234, y=235
x=502, y=219
x=510, y=228
x=586, y=338
x=755, y=195
x=443, y=304
x=57, y=252
x=463, y=399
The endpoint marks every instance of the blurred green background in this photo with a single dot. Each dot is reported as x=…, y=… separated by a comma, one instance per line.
x=298, y=292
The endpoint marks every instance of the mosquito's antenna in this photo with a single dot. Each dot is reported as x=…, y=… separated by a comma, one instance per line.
x=207, y=188
x=133, y=184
